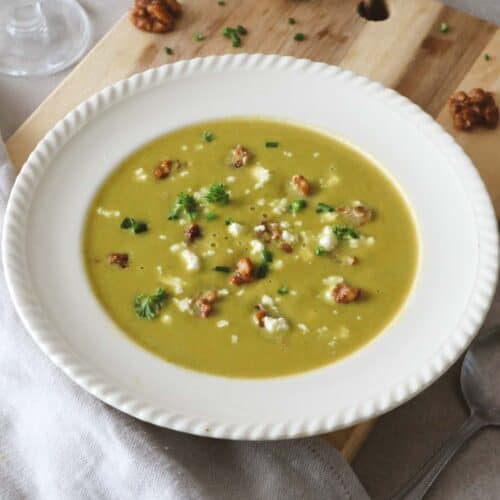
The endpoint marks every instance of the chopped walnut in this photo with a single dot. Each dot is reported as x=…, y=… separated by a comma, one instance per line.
x=259, y=316
x=243, y=272
x=267, y=231
x=286, y=247
x=344, y=293
x=240, y=156
x=156, y=16
x=193, y=232
x=120, y=259
x=163, y=170
x=477, y=108
x=301, y=184
x=205, y=303
x=358, y=214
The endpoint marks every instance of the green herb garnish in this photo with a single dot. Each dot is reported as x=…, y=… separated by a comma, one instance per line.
x=444, y=27
x=234, y=34
x=320, y=251
x=217, y=194
x=210, y=216
x=207, y=136
x=267, y=256
x=291, y=20
x=135, y=226
x=299, y=37
x=345, y=232
x=272, y=144
x=185, y=203
x=169, y=51
x=297, y=205
x=198, y=37
x=324, y=208
x=148, y=306
x=241, y=30
x=228, y=221
x=221, y=2
x=283, y=290
x=222, y=269
x=262, y=270
x=487, y=57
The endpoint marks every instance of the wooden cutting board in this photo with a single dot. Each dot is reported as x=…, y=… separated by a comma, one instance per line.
x=407, y=52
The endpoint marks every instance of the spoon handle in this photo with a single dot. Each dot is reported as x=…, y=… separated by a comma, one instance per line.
x=419, y=484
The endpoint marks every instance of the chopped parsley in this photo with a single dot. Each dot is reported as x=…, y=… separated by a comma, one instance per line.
x=228, y=221
x=262, y=270
x=487, y=57
x=222, y=269
x=221, y=2
x=135, y=226
x=241, y=29
x=320, y=251
x=209, y=216
x=299, y=37
x=168, y=51
x=207, y=136
x=184, y=204
x=283, y=290
x=272, y=144
x=267, y=256
x=198, y=37
x=444, y=27
x=148, y=306
x=235, y=34
x=324, y=208
x=291, y=20
x=345, y=232
x=297, y=206
x=217, y=193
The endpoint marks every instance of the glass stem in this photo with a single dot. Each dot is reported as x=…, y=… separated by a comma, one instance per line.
x=26, y=18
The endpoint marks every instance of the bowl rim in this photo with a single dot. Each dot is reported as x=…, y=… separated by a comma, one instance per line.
x=78, y=369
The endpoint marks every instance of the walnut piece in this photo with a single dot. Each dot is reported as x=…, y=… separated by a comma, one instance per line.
x=477, y=108
x=243, y=272
x=240, y=156
x=301, y=184
x=120, y=259
x=155, y=16
x=358, y=214
x=163, y=170
x=344, y=293
x=259, y=316
x=193, y=231
x=205, y=303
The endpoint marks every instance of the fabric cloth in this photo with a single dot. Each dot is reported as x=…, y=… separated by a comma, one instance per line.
x=59, y=443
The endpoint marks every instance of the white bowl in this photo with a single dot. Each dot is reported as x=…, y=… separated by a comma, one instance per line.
x=453, y=289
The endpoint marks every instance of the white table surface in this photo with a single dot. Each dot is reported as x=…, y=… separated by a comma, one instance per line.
x=402, y=439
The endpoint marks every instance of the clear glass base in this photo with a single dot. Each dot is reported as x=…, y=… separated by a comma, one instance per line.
x=41, y=37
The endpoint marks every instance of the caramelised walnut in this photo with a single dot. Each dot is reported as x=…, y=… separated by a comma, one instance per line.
x=358, y=214
x=243, y=272
x=477, y=108
x=260, y=314
x=205, y=303
x=120, y=259
x=344, y=293
x=155, y=16
x=163, y=170
x=286, y=247
x=301, y=184
x=193, y=231
x=240, y=156
x=268, y=230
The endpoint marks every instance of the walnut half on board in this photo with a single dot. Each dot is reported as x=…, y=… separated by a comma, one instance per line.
x=155, y=16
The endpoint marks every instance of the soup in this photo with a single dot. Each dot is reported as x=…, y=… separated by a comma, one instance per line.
x=250, y=248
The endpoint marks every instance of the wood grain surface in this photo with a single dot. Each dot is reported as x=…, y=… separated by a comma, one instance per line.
x=407, y=52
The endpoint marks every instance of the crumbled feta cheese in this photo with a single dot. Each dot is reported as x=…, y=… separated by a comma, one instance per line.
x=284, y=224
x=293, y=292
x=239, y=293
x=159, y=270
x=327, y=239
x=184, y=305
x=230, y=179
x=273, y=325
x=230, y=251
x=279, y=206
x=140, y=175
x=297, y=223
x=370, y=241
x=166, y=318
x=199, y=147
x=266, y=300
x=208, y=253
x=354, y=242
x=183, y=173
x=288, y=154
x=234, y=339
x=184, y=147
x=261, y=202
x=278, y=264
x=235, y=229
x=260, y=228
x=247, y=191
x=176, y=247
x=262, y=175
x=288, y=237
x=222, y=323
x=333, y=280
x=359, y=318
x=328, y=217
x=333, y=180
x=316, y=154
x=107, y=213
x=223, y=291
x=176, y=283
x=162, y=236
x=191, y=259
x=303, y=328
x=256, y=247
x=322, y=329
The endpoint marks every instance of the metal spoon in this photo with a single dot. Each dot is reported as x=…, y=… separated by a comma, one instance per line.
x=480, y=387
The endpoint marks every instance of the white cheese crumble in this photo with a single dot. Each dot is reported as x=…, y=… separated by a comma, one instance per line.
x=235, y=229
x=327, y=239
x=159, y=270
x=184, y=147
x=297, y=223
x=333, y=280
x=199, y=147
x=209, y=253
x=177, y=247
x=191, y=259
x=303, y=328
x=261, y=202
x=222, y=323
x=230, y=251
x=223, y=291
x=183, y=173
x=234, y=339
x=162, y=236
x=140, y=175
x=184, y=305
x=256, y=247
x=239, y=293
x=273, y=325
x=284, y=224
x=166, y=318
x=107, y=213
x=278, y=264
x=260, y=228
x=293, y=292
x=316, y=154
x=333, y=180
x=288, y=154
x=247, y=191
x=370, y=241
x=328, y=217
x=288, y=237
x=262, y=175
x=279, y=206
x=230, y=179
x=176, y=283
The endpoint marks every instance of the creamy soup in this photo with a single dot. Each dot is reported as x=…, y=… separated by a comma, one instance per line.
x=250, y=248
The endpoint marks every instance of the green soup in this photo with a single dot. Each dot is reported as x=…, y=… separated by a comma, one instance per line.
x=275, y=257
